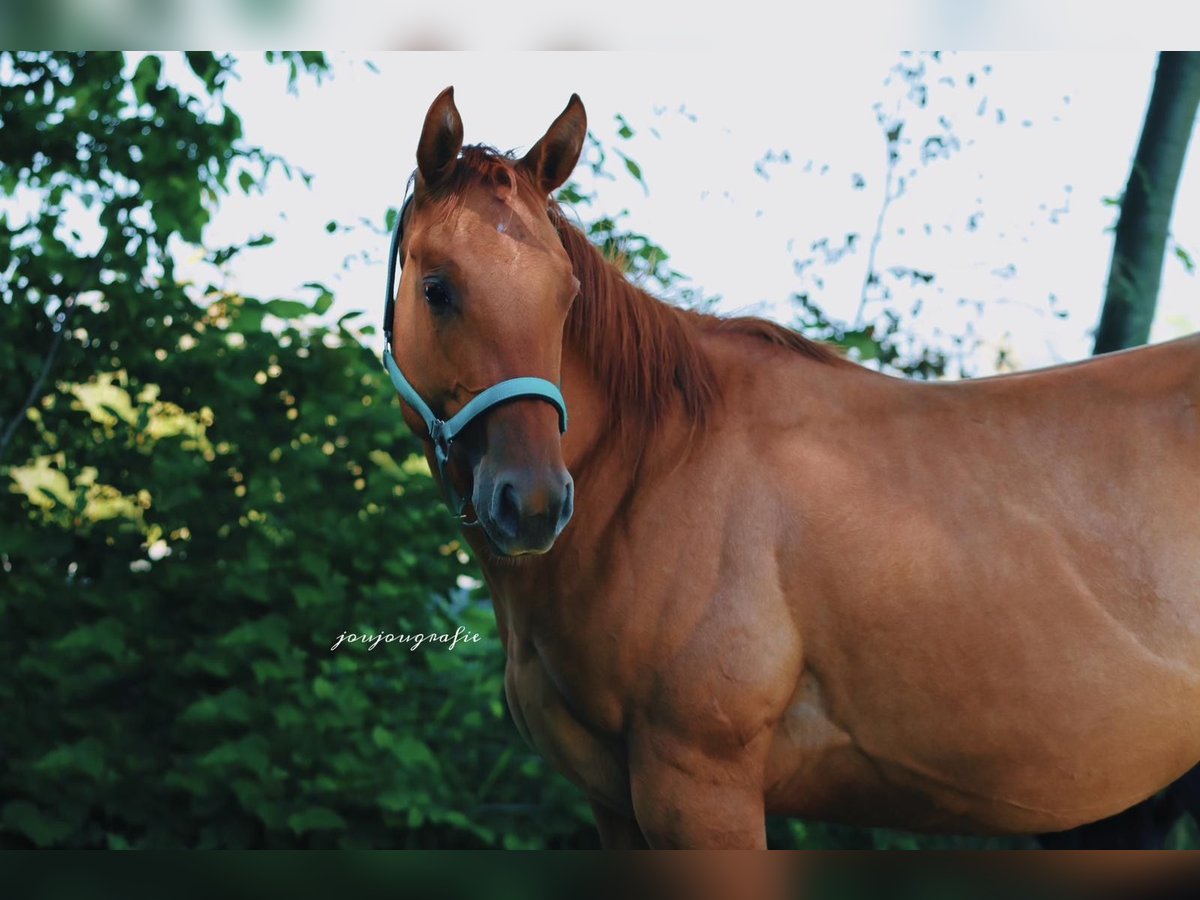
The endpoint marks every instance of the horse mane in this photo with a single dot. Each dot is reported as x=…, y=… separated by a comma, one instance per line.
x=647, y=353
x=637, y=344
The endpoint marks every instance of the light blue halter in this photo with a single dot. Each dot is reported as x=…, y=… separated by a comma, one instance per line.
x=442, y=432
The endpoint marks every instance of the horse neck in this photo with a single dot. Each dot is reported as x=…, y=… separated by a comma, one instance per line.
x=638, y=388
x=645, y=355
x=639, y=383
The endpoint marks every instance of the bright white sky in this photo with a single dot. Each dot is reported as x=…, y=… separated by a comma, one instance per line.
x=734, y=232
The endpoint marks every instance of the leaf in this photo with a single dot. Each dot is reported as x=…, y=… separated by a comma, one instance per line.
x=256, y=634
x=106, y=635
x=324, y=297
x=316, y=818
x=387, y=464
x=287, y=309
x=413, y=752
x=233, y=705
x=105, y=401
x=863, y=341
x=1185, y=258
x=247, y=754
x=634, y=169
x=43, y=485
x=145, y=78
x=83, y=758
x=44, y=830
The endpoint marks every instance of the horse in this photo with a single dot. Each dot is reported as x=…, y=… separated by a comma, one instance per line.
x=750, y=577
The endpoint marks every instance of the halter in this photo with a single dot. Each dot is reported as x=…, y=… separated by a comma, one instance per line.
x=442, y=432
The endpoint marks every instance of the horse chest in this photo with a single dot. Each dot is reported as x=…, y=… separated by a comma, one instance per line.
x=566, y=737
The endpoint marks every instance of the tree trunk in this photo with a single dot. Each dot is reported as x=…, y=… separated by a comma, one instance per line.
x=1142, y=225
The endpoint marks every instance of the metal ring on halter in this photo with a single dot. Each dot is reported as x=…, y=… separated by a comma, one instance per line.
x=442, y=432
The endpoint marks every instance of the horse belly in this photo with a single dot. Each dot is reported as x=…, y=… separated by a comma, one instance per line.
x=1059, y=760
x=1021, y=658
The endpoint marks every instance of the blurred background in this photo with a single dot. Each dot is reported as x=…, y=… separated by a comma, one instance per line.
x=204, y=475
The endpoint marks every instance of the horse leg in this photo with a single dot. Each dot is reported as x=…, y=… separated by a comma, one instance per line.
x=688, y=800
x=617, y=831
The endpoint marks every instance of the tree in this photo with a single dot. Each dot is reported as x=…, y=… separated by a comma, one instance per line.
x=200, y=492
x=1145, y=217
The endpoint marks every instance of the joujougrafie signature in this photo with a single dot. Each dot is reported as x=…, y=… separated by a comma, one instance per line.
x=461, y=636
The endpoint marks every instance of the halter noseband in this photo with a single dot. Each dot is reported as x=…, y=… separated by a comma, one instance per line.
x=442, y=432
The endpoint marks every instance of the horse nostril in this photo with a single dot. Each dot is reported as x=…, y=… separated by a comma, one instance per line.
x=526, y=514
x=506, y=511
x=568, y=503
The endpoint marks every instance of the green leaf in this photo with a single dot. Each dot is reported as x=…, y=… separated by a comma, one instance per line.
x=1185, y=258
x=43, y=829
x=287, y=309
x=85, y=757
x=247, y=754
x=324, y=297
x=145, y=78
x=634, y=169
x=106, y=636
x=413, y=752
x=316, y=818
x=233, y=705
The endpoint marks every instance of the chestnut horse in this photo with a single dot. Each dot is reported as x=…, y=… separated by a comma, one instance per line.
x=755, y=578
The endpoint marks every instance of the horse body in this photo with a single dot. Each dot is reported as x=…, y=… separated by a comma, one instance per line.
x=790, y=584
x=963, y=607
x=999, y=595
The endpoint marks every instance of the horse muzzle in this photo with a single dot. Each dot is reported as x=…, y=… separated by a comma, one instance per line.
x=523, y=511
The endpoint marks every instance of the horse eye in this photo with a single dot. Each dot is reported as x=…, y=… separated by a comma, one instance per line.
x=437, y=296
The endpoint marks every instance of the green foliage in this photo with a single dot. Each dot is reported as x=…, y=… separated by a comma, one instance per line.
x=205, y=493
x=179, y=557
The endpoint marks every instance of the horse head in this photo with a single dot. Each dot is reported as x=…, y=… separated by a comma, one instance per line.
x=478, y=321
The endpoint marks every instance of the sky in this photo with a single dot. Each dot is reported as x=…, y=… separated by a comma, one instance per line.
x=1013, y=217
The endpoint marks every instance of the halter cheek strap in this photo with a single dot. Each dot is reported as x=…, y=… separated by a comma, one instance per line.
x=443, y=432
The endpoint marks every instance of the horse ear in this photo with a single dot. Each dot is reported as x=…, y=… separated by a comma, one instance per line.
x=441, y=139
x=552, y=159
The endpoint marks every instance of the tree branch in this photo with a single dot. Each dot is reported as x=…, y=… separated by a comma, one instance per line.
x=68, y=310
